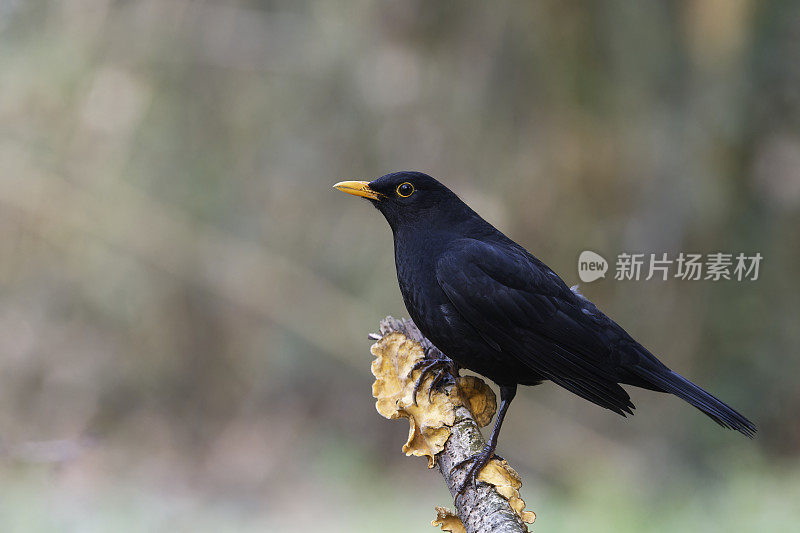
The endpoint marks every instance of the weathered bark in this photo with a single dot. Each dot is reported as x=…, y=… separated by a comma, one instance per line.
x=481, y=508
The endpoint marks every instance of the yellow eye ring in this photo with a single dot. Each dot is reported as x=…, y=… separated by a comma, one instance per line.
x=405, y=190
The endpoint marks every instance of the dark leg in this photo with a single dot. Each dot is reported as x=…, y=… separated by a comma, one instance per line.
x=479, y=460
x=434, y=361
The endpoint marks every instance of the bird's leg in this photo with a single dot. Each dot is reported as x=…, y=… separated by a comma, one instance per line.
x=480, y=459
x=434, y=361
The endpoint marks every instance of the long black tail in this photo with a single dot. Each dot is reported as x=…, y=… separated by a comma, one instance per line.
x=722, y=413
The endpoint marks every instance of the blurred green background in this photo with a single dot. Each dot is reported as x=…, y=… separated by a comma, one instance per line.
x=184, y=300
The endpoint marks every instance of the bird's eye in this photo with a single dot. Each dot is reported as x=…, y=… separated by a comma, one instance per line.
x=405, y=190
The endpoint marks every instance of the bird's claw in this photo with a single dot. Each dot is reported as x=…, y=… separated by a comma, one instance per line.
x=434, y=360
x=479, y=460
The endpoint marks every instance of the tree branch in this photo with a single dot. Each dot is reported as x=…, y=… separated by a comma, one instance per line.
x=494, y=504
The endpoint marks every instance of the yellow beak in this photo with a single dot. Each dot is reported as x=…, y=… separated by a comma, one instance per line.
x=358, y=188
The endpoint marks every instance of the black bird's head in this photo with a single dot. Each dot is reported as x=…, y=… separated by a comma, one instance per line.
x=409, y=198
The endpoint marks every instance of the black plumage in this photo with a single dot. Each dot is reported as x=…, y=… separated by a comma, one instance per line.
x=497, y=310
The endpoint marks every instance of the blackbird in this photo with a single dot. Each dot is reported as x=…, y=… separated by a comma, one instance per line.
x=497, y=310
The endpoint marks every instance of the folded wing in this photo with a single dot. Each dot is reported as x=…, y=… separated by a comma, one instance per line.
x=518, y=304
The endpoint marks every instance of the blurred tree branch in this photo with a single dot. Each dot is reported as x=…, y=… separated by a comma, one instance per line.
x=168, y=240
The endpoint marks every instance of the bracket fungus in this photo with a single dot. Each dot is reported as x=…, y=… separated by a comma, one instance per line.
x=443, y=427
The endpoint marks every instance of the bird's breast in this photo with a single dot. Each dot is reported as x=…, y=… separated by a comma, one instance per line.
x=415, y=261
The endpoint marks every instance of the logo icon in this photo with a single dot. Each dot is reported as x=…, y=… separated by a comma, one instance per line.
x=591, y=266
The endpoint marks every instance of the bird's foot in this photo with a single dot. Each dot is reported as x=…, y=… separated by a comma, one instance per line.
x=434, y=361
x=479, y=460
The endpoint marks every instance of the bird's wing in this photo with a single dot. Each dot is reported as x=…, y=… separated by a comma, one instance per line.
x=518, y=304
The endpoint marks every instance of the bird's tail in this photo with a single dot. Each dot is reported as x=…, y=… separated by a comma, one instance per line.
x=722, y=413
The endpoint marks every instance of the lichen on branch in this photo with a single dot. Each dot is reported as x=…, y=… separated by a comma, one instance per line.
x=432, y=415
x=443, y=427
